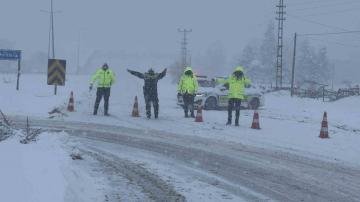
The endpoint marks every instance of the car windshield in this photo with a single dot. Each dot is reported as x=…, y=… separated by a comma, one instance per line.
x=206, y=83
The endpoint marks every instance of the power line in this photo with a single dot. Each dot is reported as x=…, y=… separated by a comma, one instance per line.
x=327, y=5
x=317, y=23
x=336, y=43
x=334, y=12
x=309, y=2
x=330, y=33
x=324, y=25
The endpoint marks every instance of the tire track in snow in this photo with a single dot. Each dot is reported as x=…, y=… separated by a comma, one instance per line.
x=157, y=189
x=277, y=175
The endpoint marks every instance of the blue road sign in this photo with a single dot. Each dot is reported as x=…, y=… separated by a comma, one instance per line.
x=10, y=54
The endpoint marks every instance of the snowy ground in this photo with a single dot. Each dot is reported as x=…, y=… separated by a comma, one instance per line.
x=288, y=124
x=43, y=171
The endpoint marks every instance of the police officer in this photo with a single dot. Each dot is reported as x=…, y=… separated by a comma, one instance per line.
x=236, y=83
x=187, y=88
x=105, y=78
x=150, y=89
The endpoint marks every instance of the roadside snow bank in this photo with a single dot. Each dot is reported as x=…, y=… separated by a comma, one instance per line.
x=344, y=111
x=32, y=172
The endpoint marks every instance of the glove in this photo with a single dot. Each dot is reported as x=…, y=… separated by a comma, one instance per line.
x=90, y=87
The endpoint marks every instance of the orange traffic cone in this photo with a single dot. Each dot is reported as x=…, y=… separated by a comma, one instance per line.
x=71, y=107
x=256, y=122
x=135, y=112
x=199, y=117
x=324, y=133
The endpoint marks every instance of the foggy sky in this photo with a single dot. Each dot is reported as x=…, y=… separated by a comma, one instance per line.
x=151, y=25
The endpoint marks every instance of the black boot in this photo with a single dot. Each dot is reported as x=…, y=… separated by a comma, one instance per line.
x=95, y=110
x=237, y=115
x=148, y=113
x=148, y=109
x=106, y=113
x=229, y=118
x=96, y=107
x=106, y=109
x=228, y=123
x=156, y=111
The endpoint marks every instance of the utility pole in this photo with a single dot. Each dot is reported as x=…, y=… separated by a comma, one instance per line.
x=279, y=57
x=78, y=55
x=51, y=47
x=184, y=46
x=293, y=66
x=52, y=30
x=53, y=37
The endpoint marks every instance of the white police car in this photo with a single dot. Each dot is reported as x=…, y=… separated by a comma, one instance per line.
x=214, y=96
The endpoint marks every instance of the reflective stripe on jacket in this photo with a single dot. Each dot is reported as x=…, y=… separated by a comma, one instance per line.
x=188, y=84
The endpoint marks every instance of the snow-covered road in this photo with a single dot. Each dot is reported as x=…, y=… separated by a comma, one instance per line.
x=235, y=171
x=284, y=161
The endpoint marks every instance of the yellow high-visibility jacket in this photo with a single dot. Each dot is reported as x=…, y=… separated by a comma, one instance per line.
x=188, y=84
x=104, y=78
x=237, y=86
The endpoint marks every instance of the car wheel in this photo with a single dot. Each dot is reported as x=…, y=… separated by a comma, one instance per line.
x=211, y=103
x=254, y=103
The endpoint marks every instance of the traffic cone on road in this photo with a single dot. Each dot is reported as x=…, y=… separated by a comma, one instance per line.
x=135, y=112
x=256, y=121
x=71, y=107
x=324, y=133
x=199, y=117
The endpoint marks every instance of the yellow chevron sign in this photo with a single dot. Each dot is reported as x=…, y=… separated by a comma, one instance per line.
x=56, y=72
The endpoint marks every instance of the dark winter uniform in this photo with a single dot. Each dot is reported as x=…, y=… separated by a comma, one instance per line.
x=150, y=89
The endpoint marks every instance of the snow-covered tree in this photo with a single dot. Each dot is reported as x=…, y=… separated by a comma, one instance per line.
x=305, y=68
x=175, y=71
x=249, y=60
x=259, y=60
x=324, y=66
x=267, y=53
x=287, y=61
x=312, y=65
x=248, y=56
x=213, y=62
